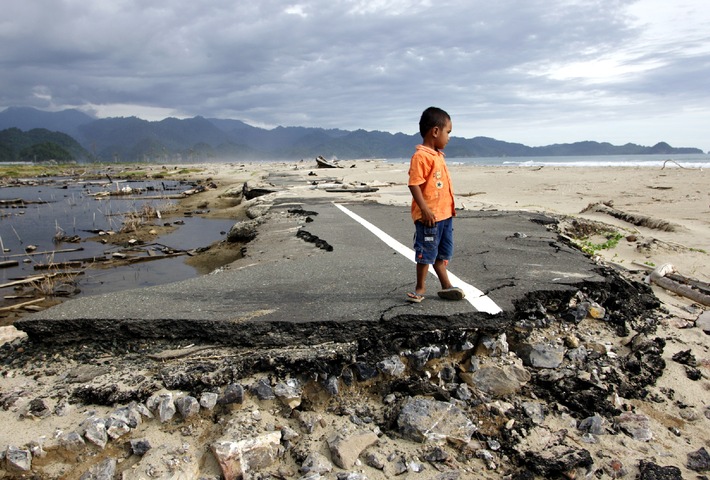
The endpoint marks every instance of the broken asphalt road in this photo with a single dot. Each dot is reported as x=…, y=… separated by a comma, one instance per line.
x=315, y=274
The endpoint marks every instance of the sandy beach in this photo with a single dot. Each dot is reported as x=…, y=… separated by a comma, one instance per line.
x=658, y=216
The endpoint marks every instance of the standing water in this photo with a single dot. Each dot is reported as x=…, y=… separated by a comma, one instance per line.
x=59, y=220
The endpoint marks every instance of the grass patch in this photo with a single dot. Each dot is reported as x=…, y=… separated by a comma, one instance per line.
x=612, y=240
x=23, y=171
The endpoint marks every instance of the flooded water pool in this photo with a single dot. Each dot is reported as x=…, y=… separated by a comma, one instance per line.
x=33, y=215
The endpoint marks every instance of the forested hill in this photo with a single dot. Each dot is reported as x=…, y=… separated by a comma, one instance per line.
x=203, y=139
x=39, y=145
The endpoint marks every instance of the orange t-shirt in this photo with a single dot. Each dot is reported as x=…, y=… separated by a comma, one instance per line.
x=428, y=170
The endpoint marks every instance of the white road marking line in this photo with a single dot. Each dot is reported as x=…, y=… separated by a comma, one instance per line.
x=475, y=297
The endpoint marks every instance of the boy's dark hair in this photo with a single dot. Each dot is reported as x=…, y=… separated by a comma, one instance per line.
x=432, y=117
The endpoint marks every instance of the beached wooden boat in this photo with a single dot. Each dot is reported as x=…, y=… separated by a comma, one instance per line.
x=323, y=163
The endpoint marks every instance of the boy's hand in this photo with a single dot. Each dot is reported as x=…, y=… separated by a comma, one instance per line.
x=428, y=218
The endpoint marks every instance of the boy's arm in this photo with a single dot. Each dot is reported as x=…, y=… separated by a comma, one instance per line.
x=428, y=217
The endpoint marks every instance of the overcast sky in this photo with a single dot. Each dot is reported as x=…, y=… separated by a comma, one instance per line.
x=531, y=71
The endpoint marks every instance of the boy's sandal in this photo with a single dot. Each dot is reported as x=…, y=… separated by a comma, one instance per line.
x=414, y=297
x=453, y=293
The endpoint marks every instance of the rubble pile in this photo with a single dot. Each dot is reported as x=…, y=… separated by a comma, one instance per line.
x=558, y=392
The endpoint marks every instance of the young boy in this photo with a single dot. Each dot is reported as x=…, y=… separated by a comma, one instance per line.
x=432, y=205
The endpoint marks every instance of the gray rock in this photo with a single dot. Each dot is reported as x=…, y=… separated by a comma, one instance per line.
x=95, y=431
x=414, y=466
x=373, y=460
x=332, y=385
x=593, y=425
x=364, y=372
x=143, y=410
x=535, y=411
x=690, y=415
x=419, y=359
x=106, y=470
x=392, y=366
x=288, y=433
x=130, y=415
x=578, y=355
x=345, y=448
x=488, y=458
x=116, y=428
x=71, y=441
x=140, y=446
x=497, y=380
x=699, y=461
x=17, y=459
x=208, y=400
x=62, y=408
x=188, y=406
x=239, y=459
x=289, y=392
x=166, y=407
x=262, y=389
x=541, y=355
x=350, y=476
x=492, y=347
x=703, y=322
x=422, y=419
x=463, y=392
x=36, y=449
x=636, y=425
x=400, y=465
x=233, y=393
x=316, y=463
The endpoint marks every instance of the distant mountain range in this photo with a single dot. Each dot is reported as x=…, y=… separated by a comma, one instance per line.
x=209, y=139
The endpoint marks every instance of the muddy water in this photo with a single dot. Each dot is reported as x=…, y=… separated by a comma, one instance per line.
x=67, y=207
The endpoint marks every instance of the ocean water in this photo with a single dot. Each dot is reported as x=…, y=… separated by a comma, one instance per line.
x=68, y=207
x=587, y=161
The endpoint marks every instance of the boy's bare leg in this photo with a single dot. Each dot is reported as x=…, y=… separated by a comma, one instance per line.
x=422, y=271
x=442, y=273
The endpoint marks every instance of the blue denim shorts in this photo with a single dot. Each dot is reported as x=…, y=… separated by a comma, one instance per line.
x=434, y=243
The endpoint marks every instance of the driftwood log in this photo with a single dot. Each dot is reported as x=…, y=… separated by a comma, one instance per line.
x=17, y=306
x=638, y=220
x=661, y=277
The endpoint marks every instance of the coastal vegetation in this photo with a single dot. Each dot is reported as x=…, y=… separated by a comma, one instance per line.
x=590, y=247
x=122, y=171
x=39, y=145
